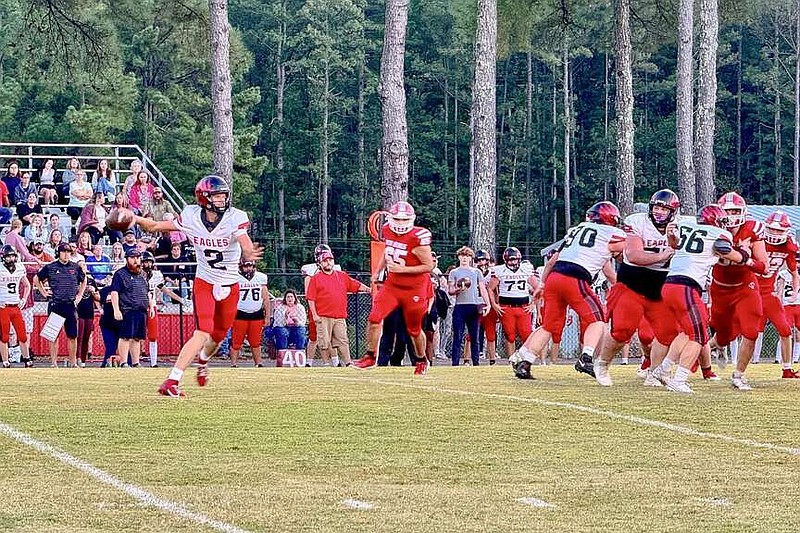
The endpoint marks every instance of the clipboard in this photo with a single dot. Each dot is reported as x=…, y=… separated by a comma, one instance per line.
x=52, y=327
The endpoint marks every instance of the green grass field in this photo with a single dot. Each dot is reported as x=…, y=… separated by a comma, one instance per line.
x=283, y=449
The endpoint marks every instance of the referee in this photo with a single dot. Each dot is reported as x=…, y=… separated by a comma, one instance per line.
x=67, y=282
x=130, y=298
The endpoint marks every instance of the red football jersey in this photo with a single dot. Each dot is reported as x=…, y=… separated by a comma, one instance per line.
x=778, y=254
x=731, y=274
x=399, y=249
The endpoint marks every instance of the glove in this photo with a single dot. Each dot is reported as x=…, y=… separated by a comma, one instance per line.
x=722, y=246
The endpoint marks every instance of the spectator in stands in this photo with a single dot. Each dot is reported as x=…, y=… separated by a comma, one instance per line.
x=175, y=236
x=37, y=250
x=104, y=180
x=84, y=244
x=14, y=238
x=141, y=193
x=55, y=238
x=80, y=192
x=35, y=230
x=25, y=187
x=176, y=269
x=290, y=325
x=29, y=208
x=159, y=206
x=12, y=178
x=136, y=167
x=93, y=219
x=55, y=223
x=163, y=246
x=5, y=203
x=69, y=175
x=129, y=241
x=117, y=253
x=47, y=183
x=130, y=297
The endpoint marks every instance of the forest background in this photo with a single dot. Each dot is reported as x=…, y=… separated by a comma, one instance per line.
x=88, y=71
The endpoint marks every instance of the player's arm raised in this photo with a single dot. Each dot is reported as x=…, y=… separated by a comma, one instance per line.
x=151, y=226
x=251, y=251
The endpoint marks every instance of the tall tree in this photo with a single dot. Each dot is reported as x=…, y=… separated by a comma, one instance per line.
x=684, y=119
x=221, y=105
x=705, y=164
x=394, y=146
x=484, y=124
x=624, y=106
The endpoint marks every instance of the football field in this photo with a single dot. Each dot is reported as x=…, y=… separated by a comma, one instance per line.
x=463, y=449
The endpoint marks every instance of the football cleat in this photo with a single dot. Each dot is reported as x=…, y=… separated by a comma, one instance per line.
x=202, y=375
x=710, y=375
x=659, y=375
x=679, y=386
x=421, y=368
x=171, y=388
x=6, y=364
x=740, y=383
x=368, y=361
x=651, y=381
x=602, y=375
x=788, y=373
x=585, y=365
x=523, y=370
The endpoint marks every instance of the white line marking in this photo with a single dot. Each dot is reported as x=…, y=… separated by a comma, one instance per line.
x=686, y=430
x=358, y=504
x=138, y=493
x=717, y=502
x=536, y=502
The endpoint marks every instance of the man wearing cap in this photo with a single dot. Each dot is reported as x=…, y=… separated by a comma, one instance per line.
x=327, y=300
x=66, y=283
x=130, y=299
x=37, y=251
x=129, y=241
x=252, y=311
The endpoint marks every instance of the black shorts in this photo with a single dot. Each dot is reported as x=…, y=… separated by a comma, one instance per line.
x=70, y=314
x=133, y=325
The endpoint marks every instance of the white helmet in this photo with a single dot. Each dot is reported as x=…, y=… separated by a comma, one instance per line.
x=735, y=207
x=778, y=226
x=401, y=218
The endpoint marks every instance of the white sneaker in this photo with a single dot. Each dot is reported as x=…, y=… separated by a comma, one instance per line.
x=651, y=381
x=513, y=360
x=678, y=386
x=642, y=372
x=721, y=355
x=602, y=375
x=660, y=375
x=740, y=383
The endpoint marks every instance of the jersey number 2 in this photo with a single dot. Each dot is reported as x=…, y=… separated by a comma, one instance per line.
x=214, y=258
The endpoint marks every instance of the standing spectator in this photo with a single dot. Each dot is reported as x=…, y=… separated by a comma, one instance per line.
x=327, y=300
x=66, y=284
x=290, y=323
x=53, y=240
x=85, y=309
x=395, y=342
x=130, y=298
x=136, y=167
x=12, y=178
x=465, y=282
x=23, y=189
x=141, y=193
x=15, y=239
x=36, y=230
x=98, y=265
x=29, y=208
x=158, y=206
x=251, y=312
x=80, y=192
x=47, y=183
x=12, y=277
x=93, y=219
x=69, y=175
x=109, y=327
x=104, y=181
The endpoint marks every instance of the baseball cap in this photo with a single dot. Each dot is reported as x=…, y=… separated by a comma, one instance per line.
x=325, y=255
x=130, y=231
x=133, y=252
x=38, y=241
x=64, y=247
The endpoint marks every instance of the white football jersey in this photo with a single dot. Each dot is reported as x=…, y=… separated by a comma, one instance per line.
x=155, y=282
x=513, y=284
x=786, y=278
x=251, y=299
x=9, y=284
x=586, y=245
x=695, y=255
x=218, y=251
x=654, y=242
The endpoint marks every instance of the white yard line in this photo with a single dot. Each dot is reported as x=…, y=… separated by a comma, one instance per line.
x=536, y=502
x=638, y=420
x=138, y=493
x=358, y=504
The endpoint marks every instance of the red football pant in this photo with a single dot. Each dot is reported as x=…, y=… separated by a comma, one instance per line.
x=773, y=311
x=414, y=304
x=312, y=327
x=688, y=310
x=646, y=333
x=561, y=292
x=152, y=327
x=211, y=316
x=735, y=311
x=627, y=310
x=11, y=315
x=516, y=321
x=250, y=329
x=489, y=325
x=793, y=315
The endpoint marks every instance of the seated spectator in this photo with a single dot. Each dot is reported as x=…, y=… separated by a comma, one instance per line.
x=159, y=206
x=84, y=244
x=136, y=167
x=35, y=230
x=104, y=180
x=69, y=175
x=141, y=193
x=37, y=250
x=29, y=208
x=175, y=236
x=175, y=266
x=24, y=188
x=80, y=192
x=129, y=241
x=93, y=219
x=162, y=247
x=290, y=325
x=55, y=223
x=55, y=238
x=5, y=203
x=117, y=255
x=98, y=265
x=47, y=183
x=12, y=178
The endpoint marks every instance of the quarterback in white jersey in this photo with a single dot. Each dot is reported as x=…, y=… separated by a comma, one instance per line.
x=12, y=277
x=218, y=233
x=251, y=313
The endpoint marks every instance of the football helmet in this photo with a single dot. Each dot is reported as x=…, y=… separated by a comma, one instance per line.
x=667, y=199
x=319, y=250
x=209, y=186
x=9, y=254
x=778, y=226
x=512, y=257
x=713, y=215
x=735, y=207
x=603, y=213
x=247, y=269
x=401, y=218
x=482, y=255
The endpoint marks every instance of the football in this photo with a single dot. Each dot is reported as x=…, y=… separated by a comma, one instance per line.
x=120, y=219
x=463, y=283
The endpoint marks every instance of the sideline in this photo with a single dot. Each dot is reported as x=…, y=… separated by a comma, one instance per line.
x=138, y=493
x=686, y=430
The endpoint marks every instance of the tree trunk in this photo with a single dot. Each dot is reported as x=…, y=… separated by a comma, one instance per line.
x=362, y=158
x=624, y=107
x=484, y=128
x=553, y=158
x=706, y=102
x=280, y=91
x=606, y=147
x=528, y=149
x=567, y=134
x=324, y=182
x=684, y=120
x=394, y=152
x=777, y=117
x=455, y=163
x=222, y=112
x=739, y=111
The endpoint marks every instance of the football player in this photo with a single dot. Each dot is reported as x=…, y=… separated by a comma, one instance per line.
x=251, y=312
x=155, y=280
x=791, y=305
x=12, y=276
x=510, y=287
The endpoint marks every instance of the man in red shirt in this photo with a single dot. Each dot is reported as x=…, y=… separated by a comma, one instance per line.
x=327, y=301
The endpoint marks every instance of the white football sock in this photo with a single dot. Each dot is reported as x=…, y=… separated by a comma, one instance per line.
x=153, y=353
x=176, y=374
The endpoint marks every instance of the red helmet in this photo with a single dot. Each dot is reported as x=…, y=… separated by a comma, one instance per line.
x=603, y=213
x=778, y=226
x=319, y=250
x=736, y=208
x=667, y=199
x=512, y=257
x=209, y=186
x=401, y=217
x=713, y=215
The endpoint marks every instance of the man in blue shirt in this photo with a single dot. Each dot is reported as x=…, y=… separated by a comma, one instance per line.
x=130, y=298
x=99, y=265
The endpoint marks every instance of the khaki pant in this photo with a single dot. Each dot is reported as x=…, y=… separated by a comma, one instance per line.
x=332, y=333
